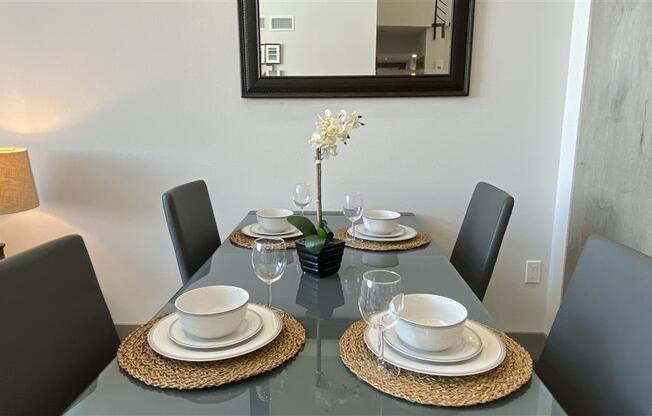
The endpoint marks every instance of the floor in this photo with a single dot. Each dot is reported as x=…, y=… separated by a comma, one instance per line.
x=124, y=330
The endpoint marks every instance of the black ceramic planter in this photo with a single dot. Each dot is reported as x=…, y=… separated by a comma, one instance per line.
x=326, y=263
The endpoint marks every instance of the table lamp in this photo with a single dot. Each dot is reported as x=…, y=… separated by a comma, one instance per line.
x=17, y=189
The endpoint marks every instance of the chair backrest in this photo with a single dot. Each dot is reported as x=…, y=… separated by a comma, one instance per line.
x=478, y=243
x=597, y=359
x=192, y=226
x=58, y=333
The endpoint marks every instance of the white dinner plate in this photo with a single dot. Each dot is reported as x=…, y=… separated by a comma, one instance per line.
x=258, y=229
x=466, y=348
x=160, y=342
x=251, y=324
x=492, y=354
x=250, y=231
x=361, y=229
x=408, y=233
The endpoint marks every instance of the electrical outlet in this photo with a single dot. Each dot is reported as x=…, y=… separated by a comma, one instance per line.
x=533, y=271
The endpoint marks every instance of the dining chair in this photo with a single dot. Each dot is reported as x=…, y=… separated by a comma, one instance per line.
x=58, y=332
x=192, y=226
x=478, y=243
x=597, y=359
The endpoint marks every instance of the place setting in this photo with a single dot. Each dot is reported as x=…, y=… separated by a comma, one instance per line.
x=214, y=323
x=216, y=335
x=273, y=222
x=423, y=348
x=380, y=230
x=270, y=223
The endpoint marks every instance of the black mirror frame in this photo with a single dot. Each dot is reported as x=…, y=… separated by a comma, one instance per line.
x=456, y=83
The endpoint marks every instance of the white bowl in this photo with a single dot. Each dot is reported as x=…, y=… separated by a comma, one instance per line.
x=380, y=221
x=212, y=311
x=274, y=220
x=431, y=322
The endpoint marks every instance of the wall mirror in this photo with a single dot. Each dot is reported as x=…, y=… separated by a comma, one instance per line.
x=355, y=48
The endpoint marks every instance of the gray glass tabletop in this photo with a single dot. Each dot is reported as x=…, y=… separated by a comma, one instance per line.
x=315, y=382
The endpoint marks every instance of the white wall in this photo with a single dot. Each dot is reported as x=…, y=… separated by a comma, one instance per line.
x=325, y=32
x=119, y=102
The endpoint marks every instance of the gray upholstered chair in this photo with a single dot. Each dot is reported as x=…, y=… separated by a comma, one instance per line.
x=597, y=359
x=58, y=333
x=478, y=243
x=192, y=226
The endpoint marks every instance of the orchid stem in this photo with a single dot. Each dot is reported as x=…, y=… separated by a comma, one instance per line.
x=318, y=160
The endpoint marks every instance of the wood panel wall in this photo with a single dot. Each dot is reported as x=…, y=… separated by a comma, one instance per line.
x=612, y=188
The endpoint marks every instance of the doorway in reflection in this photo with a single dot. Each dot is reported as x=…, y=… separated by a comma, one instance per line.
x=413, y=37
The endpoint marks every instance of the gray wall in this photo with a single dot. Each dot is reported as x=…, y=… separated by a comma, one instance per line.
x=612, y=191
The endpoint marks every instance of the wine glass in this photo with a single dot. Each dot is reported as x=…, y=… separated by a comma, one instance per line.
x=268, y=258
x=302, y=196
x=352, y=208
x=381, y=304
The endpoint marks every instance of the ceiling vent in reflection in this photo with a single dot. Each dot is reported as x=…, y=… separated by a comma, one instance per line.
x=281, y=23
x=261, y=22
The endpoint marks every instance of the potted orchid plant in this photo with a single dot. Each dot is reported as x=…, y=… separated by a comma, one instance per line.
x=319, y=252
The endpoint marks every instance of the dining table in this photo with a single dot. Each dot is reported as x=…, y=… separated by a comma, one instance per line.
x=315, y=382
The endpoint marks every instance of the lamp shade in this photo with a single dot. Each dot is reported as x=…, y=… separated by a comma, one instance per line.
x=17, y=189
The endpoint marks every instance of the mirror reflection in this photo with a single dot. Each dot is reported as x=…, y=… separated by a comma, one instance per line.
x=354, y=37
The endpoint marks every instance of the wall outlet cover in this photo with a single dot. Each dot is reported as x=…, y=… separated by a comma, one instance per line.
x=533, y=271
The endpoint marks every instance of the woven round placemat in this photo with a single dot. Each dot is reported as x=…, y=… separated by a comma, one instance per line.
x=514, y=371
x=141, y=362
x=240, y=239
x=421, y=239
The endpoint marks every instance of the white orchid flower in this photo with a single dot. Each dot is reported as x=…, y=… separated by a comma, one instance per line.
x=331, y=128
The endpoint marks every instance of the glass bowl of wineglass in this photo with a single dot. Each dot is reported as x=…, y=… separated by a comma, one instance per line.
x=352, y=209
x=381, y=304
x=269, y=260
x=302, y=196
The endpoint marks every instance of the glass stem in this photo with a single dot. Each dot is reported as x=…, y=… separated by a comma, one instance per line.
x=269, y=296
x=353, y=229
x=381, y=348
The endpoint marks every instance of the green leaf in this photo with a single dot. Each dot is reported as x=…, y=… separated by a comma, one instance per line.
x=323, y=233
x=314, y=243
x=328, y=233
x=303, y=224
